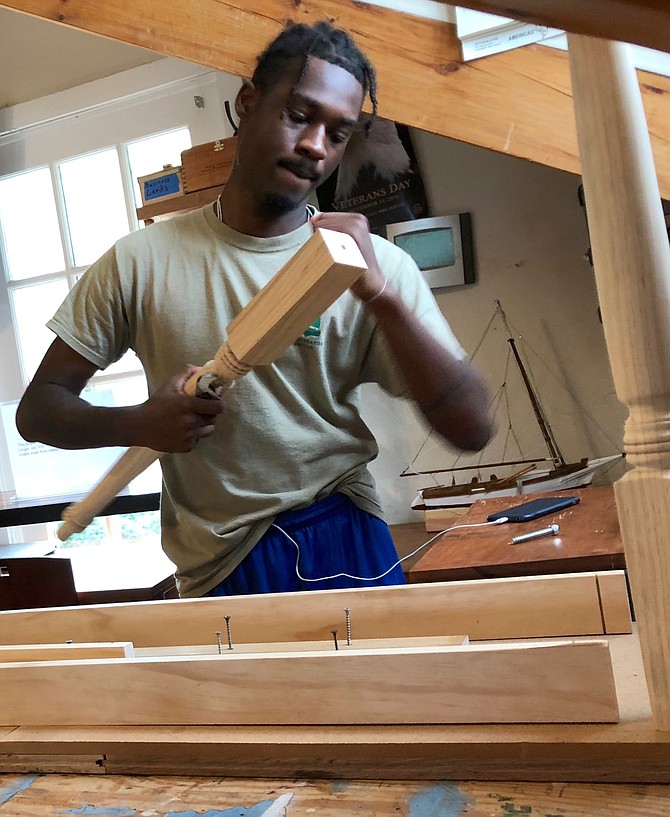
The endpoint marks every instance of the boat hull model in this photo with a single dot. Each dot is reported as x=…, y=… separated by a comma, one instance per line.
x=459, y=496
x=548, y=473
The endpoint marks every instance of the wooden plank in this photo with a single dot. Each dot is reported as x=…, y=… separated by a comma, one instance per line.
x=628, y=751
x=614, y=601
x=542, y=682
x=517, y=103
x=645, y=22
x=64, y=652
x=531, y=607
x=304, y=646
x=631, y=258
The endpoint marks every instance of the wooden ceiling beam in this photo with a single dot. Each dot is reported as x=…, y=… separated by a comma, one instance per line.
x=518, y=103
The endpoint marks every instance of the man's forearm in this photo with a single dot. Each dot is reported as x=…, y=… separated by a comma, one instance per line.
x=450, y=393
x=54, y=416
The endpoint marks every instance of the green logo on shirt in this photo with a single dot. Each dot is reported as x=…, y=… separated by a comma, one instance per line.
x=314, y=330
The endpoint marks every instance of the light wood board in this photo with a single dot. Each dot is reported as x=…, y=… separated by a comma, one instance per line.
x=64, y=652
x=529, y=607
x=303, y=646
x=530, y=682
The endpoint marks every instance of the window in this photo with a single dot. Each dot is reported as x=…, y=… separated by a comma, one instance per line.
x=49, y=233
x=57, y=220
x=68, y=189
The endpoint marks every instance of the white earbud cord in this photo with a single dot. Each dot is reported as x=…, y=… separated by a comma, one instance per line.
x=393, y=566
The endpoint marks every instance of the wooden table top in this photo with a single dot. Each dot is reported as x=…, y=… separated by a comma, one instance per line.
x=589, y=539
x=121, y=795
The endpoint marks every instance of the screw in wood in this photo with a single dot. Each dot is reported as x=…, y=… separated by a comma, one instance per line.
x=230, y=640
x=334, y=634
x=217, y=633
x=347, y=613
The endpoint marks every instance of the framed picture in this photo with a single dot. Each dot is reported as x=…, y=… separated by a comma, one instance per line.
x=441, y=247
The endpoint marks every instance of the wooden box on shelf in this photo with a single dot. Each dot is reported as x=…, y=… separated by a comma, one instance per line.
x=207, y=165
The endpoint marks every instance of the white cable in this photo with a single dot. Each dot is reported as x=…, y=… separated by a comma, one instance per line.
x=393, y=566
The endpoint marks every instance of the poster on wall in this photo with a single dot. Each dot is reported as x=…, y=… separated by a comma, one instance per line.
x=379, y=177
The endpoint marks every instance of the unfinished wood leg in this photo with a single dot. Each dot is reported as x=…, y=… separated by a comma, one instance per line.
x=322, y=270
x=632, y=267
x=79, y=515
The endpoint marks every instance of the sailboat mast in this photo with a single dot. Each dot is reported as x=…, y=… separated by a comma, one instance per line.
x=547, y=433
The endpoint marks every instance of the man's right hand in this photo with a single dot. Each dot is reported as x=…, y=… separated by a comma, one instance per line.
x=52, y=411
x=171, y=421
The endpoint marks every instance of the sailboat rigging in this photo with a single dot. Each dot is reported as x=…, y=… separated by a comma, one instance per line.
x=558, y=474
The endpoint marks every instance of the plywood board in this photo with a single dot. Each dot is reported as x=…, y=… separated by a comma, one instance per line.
x=531, y=607
x=482, y=683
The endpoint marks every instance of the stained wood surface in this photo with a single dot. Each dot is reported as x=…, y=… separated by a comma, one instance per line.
x=517, y=103
x=517, y=682
x=538, y=606
x=44, y=796
x=589, y=539
x=628, y=751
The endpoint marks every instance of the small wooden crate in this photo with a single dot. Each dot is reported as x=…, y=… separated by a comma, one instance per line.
x=162, y=185
x=207, y=165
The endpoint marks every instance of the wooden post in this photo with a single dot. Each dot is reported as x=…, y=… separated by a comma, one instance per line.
x=632, y=267
x=322, y=270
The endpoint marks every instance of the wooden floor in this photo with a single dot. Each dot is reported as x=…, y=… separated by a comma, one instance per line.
x=123, y=796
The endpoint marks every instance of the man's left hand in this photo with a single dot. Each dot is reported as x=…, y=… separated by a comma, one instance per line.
x=358, y=227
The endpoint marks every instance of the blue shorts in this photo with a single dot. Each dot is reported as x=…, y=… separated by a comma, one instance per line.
x=334, y=536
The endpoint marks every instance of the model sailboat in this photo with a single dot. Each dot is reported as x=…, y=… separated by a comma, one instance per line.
x=551, y=472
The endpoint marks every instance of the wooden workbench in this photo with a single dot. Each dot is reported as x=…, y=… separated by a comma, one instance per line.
x=47, y=795
x=589, y=539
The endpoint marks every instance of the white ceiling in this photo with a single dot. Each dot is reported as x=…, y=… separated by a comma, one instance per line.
x=38, y=58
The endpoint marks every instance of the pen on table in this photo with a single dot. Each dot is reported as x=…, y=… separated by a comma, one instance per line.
x=552, y=530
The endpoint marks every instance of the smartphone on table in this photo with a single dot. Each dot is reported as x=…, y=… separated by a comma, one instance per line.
x=535, y=508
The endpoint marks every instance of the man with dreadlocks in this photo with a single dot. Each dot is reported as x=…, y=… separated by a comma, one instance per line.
x=276, y=495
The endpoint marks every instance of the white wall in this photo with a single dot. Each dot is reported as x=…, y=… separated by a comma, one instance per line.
x=530, y=240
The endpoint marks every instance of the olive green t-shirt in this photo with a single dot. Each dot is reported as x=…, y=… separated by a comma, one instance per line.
x=291, y=432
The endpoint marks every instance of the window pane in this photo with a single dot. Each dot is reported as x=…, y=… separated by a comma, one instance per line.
x=29, y=225
x=149, y=155
x=94, y=202
x=33, y=307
